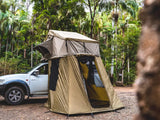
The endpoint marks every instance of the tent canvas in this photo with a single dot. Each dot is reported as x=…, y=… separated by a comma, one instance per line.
x=78, y=82
x=62, y=43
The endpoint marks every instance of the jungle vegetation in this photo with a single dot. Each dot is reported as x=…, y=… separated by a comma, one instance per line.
x=114, y=23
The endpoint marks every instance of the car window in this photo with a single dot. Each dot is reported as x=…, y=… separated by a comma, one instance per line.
x=32, y=68
x=43, y=70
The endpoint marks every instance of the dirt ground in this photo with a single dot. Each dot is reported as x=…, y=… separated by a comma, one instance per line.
x=34, y=109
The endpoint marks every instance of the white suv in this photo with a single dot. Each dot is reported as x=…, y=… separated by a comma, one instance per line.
x=14, y=87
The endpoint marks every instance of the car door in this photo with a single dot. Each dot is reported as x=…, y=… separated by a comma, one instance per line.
x=39, y=83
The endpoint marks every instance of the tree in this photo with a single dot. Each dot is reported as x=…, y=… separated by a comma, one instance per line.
x=120, y=11
x=148, y=65
x=19, y=33
x=57, y=14
x=12, y=18
x=92, y=6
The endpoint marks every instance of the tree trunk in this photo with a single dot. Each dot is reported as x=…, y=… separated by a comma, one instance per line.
x=116, y=47
x=31, y=55
x=92, y=10
x=0, y=46
x=128, y=64
x=122, y=77
x=148, y=66
x=24, y=53
x=112, y=52
x=92, y=23
x=5, y=64
x=1, y=40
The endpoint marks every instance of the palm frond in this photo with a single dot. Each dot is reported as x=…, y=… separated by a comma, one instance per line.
x=131, y=11
x=130, y=6
x=122, y=4
x=105, y=5
x=133, y=4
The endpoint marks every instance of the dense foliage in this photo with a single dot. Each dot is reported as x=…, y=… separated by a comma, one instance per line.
x=114, y=23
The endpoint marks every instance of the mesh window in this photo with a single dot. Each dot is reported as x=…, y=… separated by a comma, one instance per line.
x=94, y=86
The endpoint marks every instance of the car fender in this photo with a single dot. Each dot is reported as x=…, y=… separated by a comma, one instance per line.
x=21, y=82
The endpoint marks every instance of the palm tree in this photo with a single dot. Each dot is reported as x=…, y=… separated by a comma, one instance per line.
x=11, y=20
x=118, y=8
x=3, y=20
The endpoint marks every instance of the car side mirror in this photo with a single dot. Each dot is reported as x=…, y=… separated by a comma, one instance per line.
x=36, y=72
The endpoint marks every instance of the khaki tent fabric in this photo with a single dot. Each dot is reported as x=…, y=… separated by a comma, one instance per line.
x=114, y=100
x=74, y=36
x=73, y=93
x=61, y=43
x=70, y=96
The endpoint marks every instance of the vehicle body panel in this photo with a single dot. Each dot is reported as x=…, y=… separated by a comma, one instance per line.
x=33, y=84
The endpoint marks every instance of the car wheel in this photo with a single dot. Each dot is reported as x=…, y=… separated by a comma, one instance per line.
x=14, y=95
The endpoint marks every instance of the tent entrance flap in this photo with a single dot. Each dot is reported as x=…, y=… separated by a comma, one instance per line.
x=96, y=92
x=54, y=74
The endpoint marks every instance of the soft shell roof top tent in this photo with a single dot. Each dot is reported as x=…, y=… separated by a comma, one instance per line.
x=78, y=82
x=60, y=44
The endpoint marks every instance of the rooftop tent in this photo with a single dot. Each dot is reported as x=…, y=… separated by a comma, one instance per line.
x=78, y=82
x=60, y=44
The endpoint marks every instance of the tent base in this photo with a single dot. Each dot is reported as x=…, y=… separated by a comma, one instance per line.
x=90, y=113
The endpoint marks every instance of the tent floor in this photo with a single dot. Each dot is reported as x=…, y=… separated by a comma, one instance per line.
x=99, y=104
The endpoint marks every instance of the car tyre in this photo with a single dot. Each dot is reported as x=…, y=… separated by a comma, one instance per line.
x=14, y=95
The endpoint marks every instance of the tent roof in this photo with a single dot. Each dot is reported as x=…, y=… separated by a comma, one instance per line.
x=65, y=35
x=63, y=43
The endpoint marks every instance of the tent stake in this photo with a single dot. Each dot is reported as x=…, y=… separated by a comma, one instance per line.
x=116, y=111
x=68, y=116
x=92, y=115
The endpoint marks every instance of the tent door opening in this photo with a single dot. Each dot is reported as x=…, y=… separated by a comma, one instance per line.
x=92, y=81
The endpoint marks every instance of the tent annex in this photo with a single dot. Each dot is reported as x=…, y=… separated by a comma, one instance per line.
x=78, y=82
